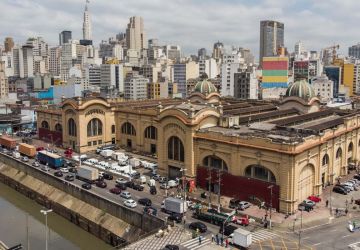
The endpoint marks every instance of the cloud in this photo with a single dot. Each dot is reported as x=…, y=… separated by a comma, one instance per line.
x=189, y=23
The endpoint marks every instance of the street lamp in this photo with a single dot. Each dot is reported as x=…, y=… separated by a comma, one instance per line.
x=271, y=188
x=301, y=208
x=45, y=212
x=184, y=190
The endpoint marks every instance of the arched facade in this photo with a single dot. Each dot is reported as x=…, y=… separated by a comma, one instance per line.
x=94, y=127
x=45, y=125
x=58, y=127
x=175, y=149
x=72, y=130
x=260, y=172
x=212, y=161
x=306, y=183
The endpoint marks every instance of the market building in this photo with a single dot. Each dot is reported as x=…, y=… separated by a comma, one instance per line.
x=256, y=150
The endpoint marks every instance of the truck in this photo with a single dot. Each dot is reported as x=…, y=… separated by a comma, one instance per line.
x=106, y=153
x=119, y=156
x=28, y=150
x=135, y=162
x=16, y=154
x=7, y=142
x=50, y=159
x=87, y=174
x=174, y=205
x=241, y=238
x=211, y=216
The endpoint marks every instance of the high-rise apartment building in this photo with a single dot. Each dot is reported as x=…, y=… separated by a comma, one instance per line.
x=231, y=64
x=218, y=51
x=65, y=37
x=354, y=51
x=135, y=34
x=8, y=44
x=323, y=87
x=111, y=75
x=26, y=61
x=173, y=52
x=135, y=86
x=209, y=67
x=87, y=33
x=68, y=55
x=334, y=74
x=246, y=84
x=183, y=72
x=275, y=72
x=271, y=38
x=202, y=53
x=54, y=62
x=4, y=86
x=93, y=74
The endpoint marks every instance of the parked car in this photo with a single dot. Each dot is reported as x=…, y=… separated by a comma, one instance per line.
x=86, y=186
x=73, y=170
x=155, y=177
x=175, y=217
x=162, y=179
x=101, y=184
x=25, y=159
x=357, y=177
x=36, y=164
x=115, y=190
x=58, y=174
x=234, y=203
x=153, y=190
x=307, y=205
x=69, y=177
x=130, y=203
x=107, y=176
x=121, y=180
x=122, y=186
x=348, y=185
x=172, y=183
x=171, y=247
x=314, y=198
x=138, y=187
x=357, y=202
x=45, y=168
x=64, y=170
x=68, y=164
x=198, y=225
x=244, y=205
x=145, y=201
x=164, y=186
x=347, y=188
x=340, y=190
x=125, y=195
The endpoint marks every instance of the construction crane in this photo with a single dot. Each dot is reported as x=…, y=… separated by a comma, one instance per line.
x=333, y=50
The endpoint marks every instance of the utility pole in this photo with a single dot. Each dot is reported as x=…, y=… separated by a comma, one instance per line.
x=219, y=193
x=270, y=187
x=45, y=212
x=27, y=233
x=301, y=211
x=184, y=190
x=209, y=186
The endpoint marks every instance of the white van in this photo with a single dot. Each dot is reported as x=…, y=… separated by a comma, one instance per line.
x=142, y=179
x=119, y=155
x=16, y=155
x=106, y=153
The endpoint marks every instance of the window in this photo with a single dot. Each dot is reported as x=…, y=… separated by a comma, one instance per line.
x=260, y=172
x=215, y=162
x=58, y=128
x=94, y=127
x=151, y=133
x=113, y=129
x=45, y=125
x=89, y=143
x=175, y=149
x=325, y=160
x=350, y=148
x=128, y=129
x=338, y=153
x=94, y=143
x=72, y=127
x=100, y=142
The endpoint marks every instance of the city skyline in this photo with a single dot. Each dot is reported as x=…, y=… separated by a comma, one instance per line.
x=174, y=23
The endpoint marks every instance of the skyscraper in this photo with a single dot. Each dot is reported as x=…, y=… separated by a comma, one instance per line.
x=87, y=23
x=135, y=34
x=271, y=38
x=64, y=37
x=354, y=51
x=8, y=44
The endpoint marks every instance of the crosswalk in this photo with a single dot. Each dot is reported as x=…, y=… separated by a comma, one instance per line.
x=193, y=244
x=262, y=235
x=355, y=246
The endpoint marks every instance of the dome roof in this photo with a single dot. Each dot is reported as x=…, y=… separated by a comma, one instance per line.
x=205, y=87
x=300, y=89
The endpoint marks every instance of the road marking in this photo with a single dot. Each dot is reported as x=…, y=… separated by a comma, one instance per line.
x=317, y=244
x=305, y=238
x=346, y=236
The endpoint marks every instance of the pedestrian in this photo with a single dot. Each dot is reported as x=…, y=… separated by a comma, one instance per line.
x=212, y=238
x=352, y=200
x=226, y=242
x=217, y=239
x=199, y=239
x=327, y=203
x=222, y=241
x=346, y=211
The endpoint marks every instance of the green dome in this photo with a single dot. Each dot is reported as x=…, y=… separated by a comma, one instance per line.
x=205, y=87
x=300, y=89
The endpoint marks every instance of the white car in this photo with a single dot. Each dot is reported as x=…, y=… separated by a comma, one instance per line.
x=172, y=183
x=64, y=170
x=45, y=168
x=120, y=180
x=125, y=195
x=130, y=203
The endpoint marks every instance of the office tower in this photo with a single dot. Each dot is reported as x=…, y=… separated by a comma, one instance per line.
x=8, y=44
x=26, y=61
x=202, y=53
x=87, y=23
x=68, y=56
x=354, y=51
x=218, y=51
x=135, y=86
x=4, y=86
x=334, y=74
x=64, y=37
x=231, y=64
x=182, y=73
x=54, y=62
x=111, y=75
x=135, y=34
x=173, y=52
x=271, y=38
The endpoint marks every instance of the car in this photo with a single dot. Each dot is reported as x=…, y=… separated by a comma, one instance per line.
x=153, y=190
x=73, y=170
x=155, y=177
x=122, y=186
x=309, y=202
x=121, y=181
x=68, y=163
x=125, y=195
x=101, y=184
x=135, y=175
x=162, y=180
x=138, y=187
x=306, y=205
x=108, y=176
x=58, y=174
x=45, y=168
x=164, y=186
x=171, y=247
x=244, y=205
x=69, y=177
x=348, y=185
x=36, y=164
x=145, y=201
x=86, y=186
x=172, y=183
x=40, y=148
x=340, y=190
x=130, y=184
x=5, y=151
x=314, y=198
x=175, y=217
x=234, y=203
x=198, y=225
x=64, y=170
x=115, y=190
x=130, y=203
x=357, y=177
x=25, y=159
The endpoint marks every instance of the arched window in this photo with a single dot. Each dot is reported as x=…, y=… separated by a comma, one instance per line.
x=350, y=147
x=151, y=133
x=215, y=162
x=58, y=127
x=94, y=127
x=45, y=124
x=175, y=149
x=260, y=172
x=128, y=129
x=113, y=129
x=72, y=127
x=338, y=153
x=325, y=160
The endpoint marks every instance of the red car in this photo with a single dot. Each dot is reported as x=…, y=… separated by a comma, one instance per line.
x=314, y=198
x=40, y=148
x=115, y=190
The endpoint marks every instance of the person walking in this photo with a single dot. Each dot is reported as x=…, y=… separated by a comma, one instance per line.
x=326, y=203
x=217, y=239
x=352, y=200
x=199, y=239
x=212, y=238
x=222, y=241
x=226, y=242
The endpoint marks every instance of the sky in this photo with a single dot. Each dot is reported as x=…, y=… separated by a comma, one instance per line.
x=192, y=24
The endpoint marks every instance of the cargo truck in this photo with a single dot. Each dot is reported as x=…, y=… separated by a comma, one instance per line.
x=7, y=142
x=119, y=156
x=106, y=153
x=209, y=215
x=134, y=162
x=50, y=159
x=87, y=174
x=241, y=238
x=174, y=205
x=28, y=150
